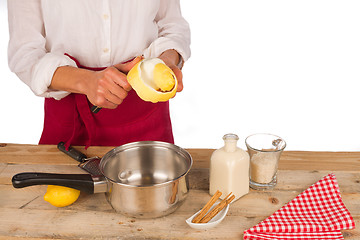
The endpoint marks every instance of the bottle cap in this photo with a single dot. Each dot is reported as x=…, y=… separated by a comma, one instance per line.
x=230, y=136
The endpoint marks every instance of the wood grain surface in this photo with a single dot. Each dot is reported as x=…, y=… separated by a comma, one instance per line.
x=24, y=213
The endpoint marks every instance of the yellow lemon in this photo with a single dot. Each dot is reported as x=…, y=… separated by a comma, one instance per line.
x=152, y=80
x=61, y=196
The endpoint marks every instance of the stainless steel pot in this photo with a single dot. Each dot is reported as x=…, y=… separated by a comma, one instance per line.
x=141, y=179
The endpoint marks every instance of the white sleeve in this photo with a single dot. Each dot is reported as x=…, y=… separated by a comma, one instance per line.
x=174, y=31
x=27, y=54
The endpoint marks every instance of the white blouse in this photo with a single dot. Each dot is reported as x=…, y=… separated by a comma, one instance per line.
x=99, y=33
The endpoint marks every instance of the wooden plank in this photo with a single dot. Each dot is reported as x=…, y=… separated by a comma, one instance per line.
x=43, y=154
x=32, y=198
x=2, y=167
x=199, y=177
x=28, y=238
x=90, y=224
x=297, y=160
x=49, y=154
x=289, y=179
x=33, y=154
x=349, y=181
x=332, y=161
x=248, y=205
x=288, y=183
x=290, y=160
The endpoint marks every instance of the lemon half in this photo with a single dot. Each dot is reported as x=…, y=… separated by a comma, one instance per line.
x=153, y=80
x=59, y=196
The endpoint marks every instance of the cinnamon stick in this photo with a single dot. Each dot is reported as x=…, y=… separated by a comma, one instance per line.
x=206, y=208
x=217, y=209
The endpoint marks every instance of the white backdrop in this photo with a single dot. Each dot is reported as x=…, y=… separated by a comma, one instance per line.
x=285, y=67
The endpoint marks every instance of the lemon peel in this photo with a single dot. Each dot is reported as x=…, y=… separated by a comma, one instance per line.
x=59, y=196
x=152, y=80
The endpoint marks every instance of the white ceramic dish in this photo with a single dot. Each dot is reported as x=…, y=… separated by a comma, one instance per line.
x=212, y=223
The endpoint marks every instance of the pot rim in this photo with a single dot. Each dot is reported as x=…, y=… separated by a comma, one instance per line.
x=130, y=145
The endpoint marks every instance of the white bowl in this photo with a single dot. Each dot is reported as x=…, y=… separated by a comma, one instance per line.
x=212, y=223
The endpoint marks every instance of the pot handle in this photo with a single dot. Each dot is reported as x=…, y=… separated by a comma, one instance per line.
x=82, y=182
x=72, y=152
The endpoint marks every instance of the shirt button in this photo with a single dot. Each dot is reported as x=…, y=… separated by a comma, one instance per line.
x=105, y=16
x=105, y=50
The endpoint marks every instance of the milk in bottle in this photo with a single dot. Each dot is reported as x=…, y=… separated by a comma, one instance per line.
x=229, y=169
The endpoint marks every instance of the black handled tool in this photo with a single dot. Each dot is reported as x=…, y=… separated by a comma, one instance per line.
x=91, y=165
x=82, y=182
x=72, y=152
x=95, y=109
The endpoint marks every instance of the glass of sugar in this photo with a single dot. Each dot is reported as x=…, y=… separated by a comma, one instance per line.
x=264, y=150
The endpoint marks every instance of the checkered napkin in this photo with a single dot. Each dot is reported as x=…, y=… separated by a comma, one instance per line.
x=317, y=213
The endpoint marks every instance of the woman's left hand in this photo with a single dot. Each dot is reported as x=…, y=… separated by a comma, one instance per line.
x=171, y=58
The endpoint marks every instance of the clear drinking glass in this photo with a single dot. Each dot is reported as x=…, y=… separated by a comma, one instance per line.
x=264, y=150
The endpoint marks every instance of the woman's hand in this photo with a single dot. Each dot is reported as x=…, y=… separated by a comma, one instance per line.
x=172, y=58
x=110, y=87
x=106, y=88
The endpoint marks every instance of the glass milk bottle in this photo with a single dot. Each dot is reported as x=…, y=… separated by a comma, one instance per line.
x=229, y=169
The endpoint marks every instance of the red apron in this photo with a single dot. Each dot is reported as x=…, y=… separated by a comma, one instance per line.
x=71, y=121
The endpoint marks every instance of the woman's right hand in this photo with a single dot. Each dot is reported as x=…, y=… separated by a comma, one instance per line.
x=109, y=87
x=106, y=89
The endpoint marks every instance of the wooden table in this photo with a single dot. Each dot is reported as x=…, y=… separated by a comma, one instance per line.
x=24, y=213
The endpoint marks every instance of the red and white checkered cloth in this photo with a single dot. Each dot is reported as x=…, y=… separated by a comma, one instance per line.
x=317, y=213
